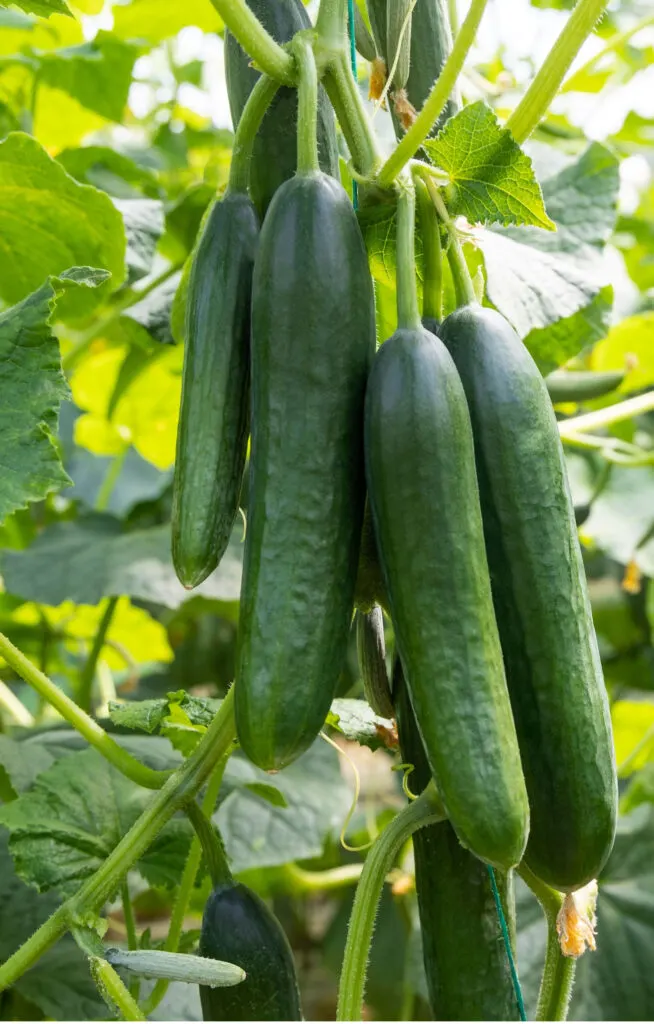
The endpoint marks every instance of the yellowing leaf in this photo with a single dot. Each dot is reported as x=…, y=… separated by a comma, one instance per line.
x=629, y=345
x=631, y=722
x=60, y=121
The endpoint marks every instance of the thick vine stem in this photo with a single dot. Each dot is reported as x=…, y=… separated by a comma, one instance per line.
x=181, y=787
x=346, y=100
x=331, y=25
x=307, y=120
x=538, y=97
x=438, y=97
x=425, y=810
x=268, y=55
x=83, y=723
x=88, y=671
x=253, y=113
x=113, y=991
x=559, y=970
x=432, y=285
x=408, y=311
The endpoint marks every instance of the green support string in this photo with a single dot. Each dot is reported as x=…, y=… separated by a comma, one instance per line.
x=507, y=944
x=353, y=62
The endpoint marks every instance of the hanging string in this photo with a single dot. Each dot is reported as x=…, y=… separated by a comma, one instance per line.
x=353, y=62
x=507, y=944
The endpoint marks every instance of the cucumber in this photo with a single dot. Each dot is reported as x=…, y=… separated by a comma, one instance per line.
x=398, y=40
x=431, y=42
x=466, y=966
x=377, y=17
x=313, y=340
x=274, y=156
x=364, y=41
x=580, y=386
x=370, y=588
x=425, y=505
x=214, y=414
x=238, y=927
x=371, y=653
x=541, y=601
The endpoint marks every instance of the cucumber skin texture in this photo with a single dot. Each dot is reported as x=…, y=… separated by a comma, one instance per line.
x=274, y=155
x=214, y=413
x=541, y=599
x=238, y=927
x=425, y=506
x=371, y=655
x=431, y=43
x=313, y=340
x=466, y=967
x=396, y=12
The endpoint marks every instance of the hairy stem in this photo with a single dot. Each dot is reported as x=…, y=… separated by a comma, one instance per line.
x=93, y=894
x=438, y=97
x=322, y=881
x=426, y=810
x=331, y=24
x=307, y=118
x=87, y=674
x=463, y=286
x=268, y=55
x=408, y=311
x=538, y=97
x=344, y=94
x=83, y=723
x=558, y=972
x=253, y=113
x=113, y=991
x=432, y=285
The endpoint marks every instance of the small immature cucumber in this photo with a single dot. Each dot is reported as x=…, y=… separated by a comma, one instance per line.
x=274, y=156
x=370, y=588
x=431, y=43
x=371, y=652
x=364, y=42
x=312, y=344
x=398, y=40
x=466, y=965
x=581, y=385
x=377, y=16
x=425, y=504
x=238, y=927
x=214, y=415
x=541, y=600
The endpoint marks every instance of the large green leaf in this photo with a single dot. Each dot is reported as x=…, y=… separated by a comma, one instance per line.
x=92, y=558
x=492, y=180
x=32, y=387
x=44, y=8
x=156, y=20
x=97, y=74
x=49, y=222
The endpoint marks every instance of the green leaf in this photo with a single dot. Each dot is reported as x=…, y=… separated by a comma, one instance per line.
x=97, y=74
x=109, y=171
x=59, y=983
x=156, y=20
x=74, y=816
x=20, y=767
x=44, y=8
x=154, y=312
x=536, y=278
x=144, y=715
x=144, y=225
x=553, y=345
x=630, y=345
x=87, y=560
x=32, y=386
x=49, y=222
x=640, y=791
x=356, y=720
x=267, y=792
x=492, y=180
x=621, y=516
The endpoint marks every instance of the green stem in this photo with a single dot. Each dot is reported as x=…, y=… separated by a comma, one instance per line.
x=425, y=810
x=559, y=970
x=614, y=42
x=186, y=885
x=84, y=339
x=83, y=723
x=438, y=97
x=111, y=479
x=432, y=285
x=463, y=286
x=610, y=414
x=132, y=939
x=408, y=310
x=87, y=674
x=453, y=12
x=113, y=991
x=14, y=707
x=538, y=97
x=211, y=843
x=307, y=117
x=331, y=24
x=268, y=55
x=178, y=790
x=256, y=106
x=344, y=94
x=322, y=881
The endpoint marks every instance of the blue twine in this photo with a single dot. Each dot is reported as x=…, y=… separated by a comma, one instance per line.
x=353, y=62
x=507, y=944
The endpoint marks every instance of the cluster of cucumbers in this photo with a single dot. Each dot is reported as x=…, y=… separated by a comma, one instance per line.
x=446, y=439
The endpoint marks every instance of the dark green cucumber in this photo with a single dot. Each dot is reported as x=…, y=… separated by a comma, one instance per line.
x=313, y=340
x=580, y=386
x=377, y=16
x=541, y=600
x=213, y=424
x=238, y=927
x=398, y=40
x=431, y=42
x=274, y=156
x=371, y=653
x=466, y=966
x=364, y=41
x=370, y=588
x=423, y=494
